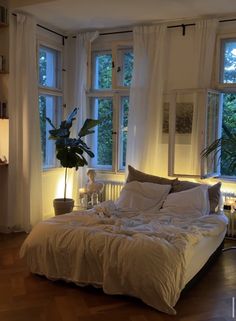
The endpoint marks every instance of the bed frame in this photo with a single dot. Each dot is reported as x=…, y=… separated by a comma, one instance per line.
x=203, y=270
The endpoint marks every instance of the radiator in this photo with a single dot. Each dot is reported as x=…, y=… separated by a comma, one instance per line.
x=111, y=190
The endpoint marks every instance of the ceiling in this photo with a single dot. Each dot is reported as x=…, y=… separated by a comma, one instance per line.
x=72, y=15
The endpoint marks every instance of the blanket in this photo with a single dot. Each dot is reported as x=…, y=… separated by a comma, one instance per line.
x=142, y=254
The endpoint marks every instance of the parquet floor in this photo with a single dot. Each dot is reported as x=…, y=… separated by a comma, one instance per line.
x=25, y=297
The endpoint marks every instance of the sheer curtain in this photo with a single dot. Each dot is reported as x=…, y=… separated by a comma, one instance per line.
x=79, y=83
x=25, y=194
x=205, y=41
x=146, y=98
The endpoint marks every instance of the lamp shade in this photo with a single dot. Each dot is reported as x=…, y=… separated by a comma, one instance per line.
x=4, y=140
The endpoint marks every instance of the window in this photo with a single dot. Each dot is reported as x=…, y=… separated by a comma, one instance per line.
x=227, y=82
x=50, y=99
x=109, y=102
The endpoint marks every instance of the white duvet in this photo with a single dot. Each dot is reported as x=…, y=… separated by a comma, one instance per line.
x=139, y=254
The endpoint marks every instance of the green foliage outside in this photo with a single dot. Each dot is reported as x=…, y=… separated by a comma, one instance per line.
x=124, y=128
x=104, y=146
x=229, y=122
x=42, y=102
x=103, y=80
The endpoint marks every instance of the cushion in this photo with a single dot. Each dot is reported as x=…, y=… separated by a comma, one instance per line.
x=135, y=175
x=214, y=196
x=213, y=191
x=142, y=196
x=193, y=201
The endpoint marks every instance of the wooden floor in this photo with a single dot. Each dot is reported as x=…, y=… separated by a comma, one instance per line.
x=26, y=297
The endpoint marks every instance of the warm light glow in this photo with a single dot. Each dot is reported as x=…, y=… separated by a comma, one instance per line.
x=4, y=139
x=82, y=190
x=60, y=186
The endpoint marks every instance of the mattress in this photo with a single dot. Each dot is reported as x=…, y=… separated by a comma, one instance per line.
x=200, y=254
x=142, y=255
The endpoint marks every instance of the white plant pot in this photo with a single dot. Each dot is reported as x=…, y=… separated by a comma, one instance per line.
x=63, y=206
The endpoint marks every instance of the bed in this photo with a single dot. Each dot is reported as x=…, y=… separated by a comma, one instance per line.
x=144, y=245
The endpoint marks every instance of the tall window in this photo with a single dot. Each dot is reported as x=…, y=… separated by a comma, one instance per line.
x=228, y=85
x=50, y=98
x=109, y=102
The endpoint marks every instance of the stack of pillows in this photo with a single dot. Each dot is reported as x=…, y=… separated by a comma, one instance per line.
x=148, y=192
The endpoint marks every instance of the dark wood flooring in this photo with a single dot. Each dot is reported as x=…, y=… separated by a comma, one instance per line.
x=26, y=297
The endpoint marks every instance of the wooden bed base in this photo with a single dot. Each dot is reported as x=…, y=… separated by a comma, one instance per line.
x=203, y=270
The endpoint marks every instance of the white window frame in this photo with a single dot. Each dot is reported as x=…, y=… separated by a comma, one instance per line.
x=116, y=92
x=223, y=88
x=52, y=91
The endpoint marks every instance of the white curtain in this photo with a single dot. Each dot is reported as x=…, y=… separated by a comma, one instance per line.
x=79, y=79
x=205, y=42
x=25, y=195
x=146, y=98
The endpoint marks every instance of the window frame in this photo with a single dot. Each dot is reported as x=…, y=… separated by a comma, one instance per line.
x=116, y=92
x=223, y=88
x=52, y=91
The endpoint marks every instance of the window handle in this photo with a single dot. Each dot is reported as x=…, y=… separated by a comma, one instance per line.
x=113, y=64
x=114, y=133
x=118, y=69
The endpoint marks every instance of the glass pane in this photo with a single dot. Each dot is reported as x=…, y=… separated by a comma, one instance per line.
x=229, y=67
x=125, y=66
x=228, y=127
x=49, y=106
x=123, y=130
x=49, y=67
x=101, y=140
x=212, y=130
x=102, y=71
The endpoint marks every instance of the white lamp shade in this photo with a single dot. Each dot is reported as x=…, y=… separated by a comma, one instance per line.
x=4, y=139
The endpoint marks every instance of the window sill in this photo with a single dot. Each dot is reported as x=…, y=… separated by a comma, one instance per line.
x=229, y=179
x=51, y=169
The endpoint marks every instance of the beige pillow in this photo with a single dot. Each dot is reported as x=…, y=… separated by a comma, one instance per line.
x=135, y=175
x=213, y=191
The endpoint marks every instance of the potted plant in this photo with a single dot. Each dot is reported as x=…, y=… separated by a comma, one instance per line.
x=70, y=153
x=225, y=144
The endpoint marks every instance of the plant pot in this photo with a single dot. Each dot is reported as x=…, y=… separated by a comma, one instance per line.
x=63, y=206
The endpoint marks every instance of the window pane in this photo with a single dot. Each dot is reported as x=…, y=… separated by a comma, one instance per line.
x=125, y=66
x=49, y=67
x=212, y=130
x=49, y=106
x=123, y=130
x=102, y=71
x=229, y=61
x=229, y=120
x=102, y=109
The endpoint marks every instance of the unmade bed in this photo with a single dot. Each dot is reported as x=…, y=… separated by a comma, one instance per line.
x=149, y=255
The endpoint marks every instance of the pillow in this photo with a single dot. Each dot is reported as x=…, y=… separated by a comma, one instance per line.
x=193, y=201
x=214, y=196
x=142, y=196
x=135, y=175
x=213, y=191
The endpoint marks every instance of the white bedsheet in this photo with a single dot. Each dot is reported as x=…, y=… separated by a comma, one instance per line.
x=140, y=254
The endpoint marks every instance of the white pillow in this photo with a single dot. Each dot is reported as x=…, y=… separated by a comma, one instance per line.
x=142, y=196
x=194, y=201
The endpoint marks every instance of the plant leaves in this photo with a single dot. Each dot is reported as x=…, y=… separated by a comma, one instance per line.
x=88, y=124
x=50, y=122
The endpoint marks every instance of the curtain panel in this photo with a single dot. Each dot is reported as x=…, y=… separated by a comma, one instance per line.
x=205, y=45
x=80, y=58
x=146, y=98
x=25, y=189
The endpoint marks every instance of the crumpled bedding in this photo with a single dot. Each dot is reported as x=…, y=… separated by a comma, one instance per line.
x=142, y=254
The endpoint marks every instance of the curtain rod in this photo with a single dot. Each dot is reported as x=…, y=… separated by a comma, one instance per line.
x=50, y=30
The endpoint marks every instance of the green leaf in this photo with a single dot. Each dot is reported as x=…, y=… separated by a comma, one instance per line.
x=50, y=122
x=88, y=124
